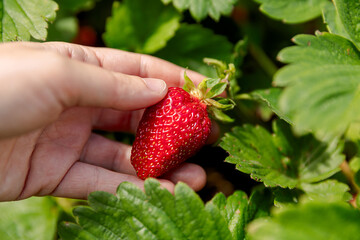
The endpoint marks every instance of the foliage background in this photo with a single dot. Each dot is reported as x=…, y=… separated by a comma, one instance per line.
x=291, y=167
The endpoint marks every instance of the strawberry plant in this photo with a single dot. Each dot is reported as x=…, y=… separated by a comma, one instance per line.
x=287, y=163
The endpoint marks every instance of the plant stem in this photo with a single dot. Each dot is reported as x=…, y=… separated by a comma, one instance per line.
x=264, y=61
x=348, y=173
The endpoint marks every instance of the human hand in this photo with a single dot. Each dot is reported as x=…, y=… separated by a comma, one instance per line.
x=52, y=95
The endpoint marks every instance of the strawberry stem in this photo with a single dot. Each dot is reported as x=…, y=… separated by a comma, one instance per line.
x=349, y=174
x=208, y=90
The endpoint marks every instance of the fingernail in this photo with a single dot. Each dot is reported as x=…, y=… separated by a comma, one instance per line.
x=155, y=85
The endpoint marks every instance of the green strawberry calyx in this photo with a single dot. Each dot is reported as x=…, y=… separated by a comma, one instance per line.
x=209, y=89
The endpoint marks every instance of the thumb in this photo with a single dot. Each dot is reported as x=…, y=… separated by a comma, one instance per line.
x=93, y=86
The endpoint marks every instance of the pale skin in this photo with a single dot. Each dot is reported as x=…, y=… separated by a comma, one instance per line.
x=52, y=97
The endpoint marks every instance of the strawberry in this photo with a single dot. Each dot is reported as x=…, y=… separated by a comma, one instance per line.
x=174, y=129
x=169, y=133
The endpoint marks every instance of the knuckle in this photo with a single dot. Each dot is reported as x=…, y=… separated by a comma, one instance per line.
x=57, y=65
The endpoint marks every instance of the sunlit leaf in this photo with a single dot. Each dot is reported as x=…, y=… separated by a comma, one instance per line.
x=292, y=11
x=327, y=191
x=33, y=218
x=141, y=26
x=323, y=84
x=333, y=21
x=153, y=214
x=315, y=220
x=271, y=98
x=23, y=19
x=281, y=159
x=349, y=12
x=199, y=9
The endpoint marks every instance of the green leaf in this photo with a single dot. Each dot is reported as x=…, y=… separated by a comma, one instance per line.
x=240, y=51
x=216, y=90
x=220, y=115
x=238, y=210
x=192, y=43
x=189, y=84
x=327, y=191
x=271, y=98
x=202, y=87
x=354, y=164
x=349, y=12
x=292, y=11
x=23, y=19
x=33, y=218
x=260, y=202
x=285, y=196
x=324, y=48
x=74, y=232
x=357, y=178
x=191, y=217
x=223, y=104
x=234, y=210
x=333, y=22
x=201, y=8
x=211, y=82
x=353, y=133
x=281, y=159
x=220, y=225
x=155, y=214
x=227, y=72
x=141, y=26
x=322, y=82
x=219, y=66
x=315, y=220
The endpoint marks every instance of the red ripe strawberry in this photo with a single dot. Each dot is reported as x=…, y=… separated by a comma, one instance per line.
x=169, y=133
x=174, y=129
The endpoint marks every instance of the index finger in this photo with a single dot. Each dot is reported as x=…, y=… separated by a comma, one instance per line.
x=145, y=66
x=141, y=65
